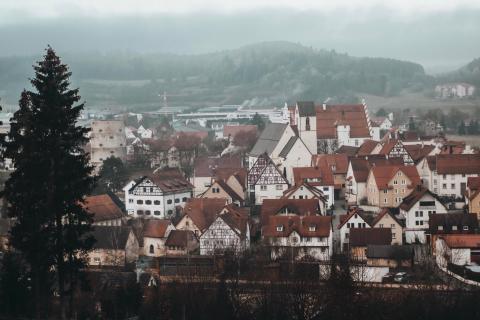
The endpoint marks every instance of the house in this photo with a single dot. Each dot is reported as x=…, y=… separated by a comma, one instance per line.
x=361, y=238
x=391, y=256
x=473, y=195
x=107, y=139
x=199, y=213
x=416, y=208
x=181, y=242
x=229, y=232
x=299, y=237
x=338, y=165
x=172, y=152
x=340, y=125
x=114, y=247
x=388, y=185
x=155, y=234
x=265, y=181
x=156, y=195
x=393, y=148
x=450, y=223
x=355, y=218
x=447, y=174
x=294, y=154
x=319, y=177
x=288, y=207
x=420, y=151
x=229, y=184
x=105, y=211
x=387, y=219
x=454, y=90
x=459, y=249
x=306, y=191
x=368, y=146
x=205, y=168
x=357, y=175
x=379, y=126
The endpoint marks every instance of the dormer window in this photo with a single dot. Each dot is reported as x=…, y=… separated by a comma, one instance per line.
x=280, y=228
x=465, y=228
x=312, y=228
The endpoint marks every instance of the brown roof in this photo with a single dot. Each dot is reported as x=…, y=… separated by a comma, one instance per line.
x=180, y=238
x=458, y=163
x=362, y=237
x=230, y=130
x=302, y=207
x=350, y=151
x=203, y=211
x=384, y=212
x=388, y=146
x=155, y=228
x=237, y=220
x=225, y=173
x=361, y=166
x=353, y=115
x=473, y=183
x=305, y=226
x=318, y=193
x=384, y=174
x=337, y=161
x=344, y=218
x=321, y=175
x=206, y=166
x=367, y=147
x=462, y=240
x=416, y=195
x=418, y=152
x=103, y=208
x=168, y=180
x=448, y=220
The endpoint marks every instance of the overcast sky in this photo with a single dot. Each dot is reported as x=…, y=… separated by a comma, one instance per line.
x=441, y=33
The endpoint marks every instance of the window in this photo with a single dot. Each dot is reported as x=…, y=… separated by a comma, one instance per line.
x=140, y=212
x=444, y=176
x=325, y=188
x=152, y=249
x=139, y=201
x=279, y=187
x=312, y=228
x=392, y=225
x=381, y=225
x=169, y=201
x=263, y=188
x=453, y=185
x=156, y=212
x=399, y=173
x=156, y=202
x=404, y=182
x=96, y=259
x=441, y=228
x=454, y=228
x=148, y=201
x=184, y=199
x=393, y=235
x=101, y=145
x=435, y=181
x=130, y=200
x=144, y=189
x=279, y=228
x=177, y=200
x=151, y=189
x=465, y=228
x=147, y=212
x=111, y=137
x=395, y=182
x=307, y=124
x=170, y=212
x=385, y=200
x=215, y=190
x=386, y=191
x=444, y=186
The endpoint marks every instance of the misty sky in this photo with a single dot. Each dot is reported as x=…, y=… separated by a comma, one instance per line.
x=440, y=34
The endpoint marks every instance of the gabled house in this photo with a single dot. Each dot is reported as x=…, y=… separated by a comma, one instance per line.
x=473, y=196
x=181, y=242
x=338, y=165
x=114, y=246
x=319, y=177
x=265, y=181
x=361, y=238
x=155, y=234
x=355, y=218
x=301, y=237
x=228, y=184
x=199, y=213
x=416, y=208
x=105, y=210
x=229, y=232
x=459, y=249
x=205, y=169
x=294, y=154
x=306, y=191
x=156, y=195
x=288, y=207
x=388, y=185
x=368, y=147
x=387, y=219
x=450, y=223
x=393, y=148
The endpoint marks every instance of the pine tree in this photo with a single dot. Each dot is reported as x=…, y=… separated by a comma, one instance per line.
x=52, y=175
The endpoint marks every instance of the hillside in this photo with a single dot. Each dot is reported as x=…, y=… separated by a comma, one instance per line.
x=469, y=73
x=263, y=73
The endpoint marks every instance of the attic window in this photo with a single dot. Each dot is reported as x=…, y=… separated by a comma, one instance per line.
x=280, y=228
x=441, y=228
x=454, y=228
x=312, y=228
x=465, y=228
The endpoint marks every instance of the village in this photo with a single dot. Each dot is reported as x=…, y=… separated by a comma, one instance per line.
x=307, y=183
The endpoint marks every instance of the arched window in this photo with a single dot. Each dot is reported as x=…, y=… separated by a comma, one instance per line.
x=307, y=124
x=152, y=249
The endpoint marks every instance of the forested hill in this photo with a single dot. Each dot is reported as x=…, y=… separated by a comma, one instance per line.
x=269, y=73
x=469, y=73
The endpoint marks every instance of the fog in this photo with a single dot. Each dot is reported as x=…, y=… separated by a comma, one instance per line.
x=441, y=39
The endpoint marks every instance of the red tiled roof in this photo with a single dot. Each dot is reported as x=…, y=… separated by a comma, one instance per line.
x=362, y=237
x=339, y=161
x=416, y=195
x=462, y=240
x=236, y=220
x=302, y=207
x=308, y=226
x=384, y=174
x=322, y=174
x=458, y=164
x=353, y=115
x=418, y=152
x=367, y=147
x=203, y=211
x=361, y=166
x=388, y=146
x=103, y=208
x=155, y=228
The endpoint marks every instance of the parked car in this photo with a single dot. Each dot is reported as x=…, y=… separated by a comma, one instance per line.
x=388, y=278
x=401, y=277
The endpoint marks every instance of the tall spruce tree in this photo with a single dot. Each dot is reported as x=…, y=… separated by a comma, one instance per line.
x=51, y=177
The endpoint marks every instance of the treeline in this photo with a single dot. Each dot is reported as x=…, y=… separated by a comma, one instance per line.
x=470, y=73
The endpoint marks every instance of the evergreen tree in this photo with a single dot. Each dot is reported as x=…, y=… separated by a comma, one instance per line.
x=51, y=178
x=411, y=124
x=112, y=175
x=461, y=128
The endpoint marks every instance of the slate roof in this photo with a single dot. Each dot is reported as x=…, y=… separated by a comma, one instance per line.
x=288, y=146
x=389, y=252
x=110, y=237
x=269, y=138
x=303, y=225
x=448, y=220
x=362, y=237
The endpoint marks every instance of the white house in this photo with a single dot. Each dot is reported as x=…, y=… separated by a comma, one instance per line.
x=459, y=249
x=299, y=236
x=354, y=219
x=156, y=196
x=416, y=209
x=454, y=90
x=320, y=177
x=294, y=154
x=155, y=233
x=265, y=181
x=306, y=121
x=230, y=231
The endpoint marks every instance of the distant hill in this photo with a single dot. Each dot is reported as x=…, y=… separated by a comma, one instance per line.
x=469, y=73
x=263, y=73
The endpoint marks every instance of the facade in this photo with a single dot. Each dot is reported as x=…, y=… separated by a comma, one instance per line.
x=473, y=196
x=107, y=138
x=338, y=165
x=386, y=219
x=361, y=238
x=416, y=209
x=155, y=233
x=265, y=181
x=306, y=123
x=395, y=149
x=205, y=169
x=306, y=191
x=354, y=219
x=156, y=196
x=199, y=213
x=181, y=242
x=228, y=184
x=299, y=237
x=387, y=186
x=320, y=177
x=459, y=249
